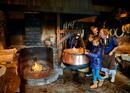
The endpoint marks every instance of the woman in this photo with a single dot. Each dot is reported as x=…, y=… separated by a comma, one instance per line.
x=96, y=62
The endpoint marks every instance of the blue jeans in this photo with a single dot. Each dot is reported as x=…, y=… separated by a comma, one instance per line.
x=96, y=75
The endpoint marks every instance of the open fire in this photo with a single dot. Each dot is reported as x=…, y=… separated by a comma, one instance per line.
x=37, y=67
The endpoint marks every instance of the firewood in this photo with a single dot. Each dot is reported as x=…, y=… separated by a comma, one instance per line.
x=8, y=51
x=6, y=58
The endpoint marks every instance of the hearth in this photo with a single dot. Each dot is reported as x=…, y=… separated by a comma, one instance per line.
x=37, y=65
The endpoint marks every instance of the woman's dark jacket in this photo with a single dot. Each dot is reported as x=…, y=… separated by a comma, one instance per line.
x=96, y=57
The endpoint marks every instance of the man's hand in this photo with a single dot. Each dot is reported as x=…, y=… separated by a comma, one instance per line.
x=111, y=53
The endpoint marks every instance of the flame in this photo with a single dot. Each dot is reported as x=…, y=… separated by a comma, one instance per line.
x=37, y=67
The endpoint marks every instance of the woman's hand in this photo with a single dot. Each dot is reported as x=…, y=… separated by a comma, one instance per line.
x=86, y=52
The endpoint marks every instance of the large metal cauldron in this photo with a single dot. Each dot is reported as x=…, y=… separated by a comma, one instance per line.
x=75, y=57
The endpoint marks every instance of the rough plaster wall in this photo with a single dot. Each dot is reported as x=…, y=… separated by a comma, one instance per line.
x=48, y=34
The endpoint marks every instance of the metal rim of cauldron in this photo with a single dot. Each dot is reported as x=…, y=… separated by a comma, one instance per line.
x=75, y=67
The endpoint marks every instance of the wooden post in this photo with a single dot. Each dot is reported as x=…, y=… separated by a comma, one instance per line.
x=2, y=30
x=58, y=37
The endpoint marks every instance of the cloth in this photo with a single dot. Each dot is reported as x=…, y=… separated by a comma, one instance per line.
x=96, y=57
x=110, y=44
x=74, y=42
x=106, y=70
x=109, y=62
x=112, y=73
x=96, y=75
x=2, y=70
x=89, y=46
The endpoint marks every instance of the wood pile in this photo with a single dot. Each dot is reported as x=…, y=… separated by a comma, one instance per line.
x=7, y=55
x=2, y=70
x=123, y=49
x=124, y=45
x=9, y=82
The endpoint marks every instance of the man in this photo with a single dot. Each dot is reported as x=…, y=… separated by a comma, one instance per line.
x=75, y=41
x=109, y=45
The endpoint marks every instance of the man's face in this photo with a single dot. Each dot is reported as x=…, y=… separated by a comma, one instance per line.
x=102, y=35
x=90, y=38
x=78, y=36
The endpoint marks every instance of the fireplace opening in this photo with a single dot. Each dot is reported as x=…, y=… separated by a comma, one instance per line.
x=36, y=66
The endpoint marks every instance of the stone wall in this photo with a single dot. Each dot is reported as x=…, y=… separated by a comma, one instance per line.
x=33, y=36
x=32, y=30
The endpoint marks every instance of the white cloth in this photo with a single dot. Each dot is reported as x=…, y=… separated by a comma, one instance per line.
x=113, y=74
x=106, y=70
x=108, y=73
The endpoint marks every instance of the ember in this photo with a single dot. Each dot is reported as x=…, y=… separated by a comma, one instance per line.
x=37, y=67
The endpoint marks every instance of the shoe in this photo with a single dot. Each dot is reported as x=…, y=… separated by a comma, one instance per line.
x=112, y=79
x=94, y=85
x=100, y=83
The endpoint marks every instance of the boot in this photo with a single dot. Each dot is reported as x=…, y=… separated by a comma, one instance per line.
x=100, y=83
x=94, y=85
x=113, y=78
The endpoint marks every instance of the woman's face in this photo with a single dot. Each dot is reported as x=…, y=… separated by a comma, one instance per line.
x=95, y=42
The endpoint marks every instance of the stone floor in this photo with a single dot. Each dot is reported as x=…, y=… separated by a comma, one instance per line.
x=70, y=82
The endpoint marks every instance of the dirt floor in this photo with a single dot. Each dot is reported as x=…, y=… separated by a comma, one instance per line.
x=70, y=82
